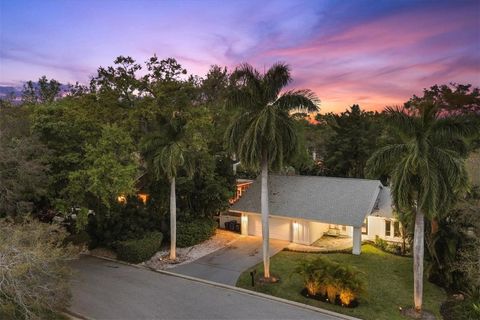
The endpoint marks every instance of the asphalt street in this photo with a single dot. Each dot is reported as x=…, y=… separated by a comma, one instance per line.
x=108, y=290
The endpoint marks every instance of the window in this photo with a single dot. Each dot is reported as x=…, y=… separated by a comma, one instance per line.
x=396, y=229
x=365, y=226
x=388, y=225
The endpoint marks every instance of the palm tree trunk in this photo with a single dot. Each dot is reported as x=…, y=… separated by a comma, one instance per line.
x=265, y=229
x=418, y=252
x=173, y=221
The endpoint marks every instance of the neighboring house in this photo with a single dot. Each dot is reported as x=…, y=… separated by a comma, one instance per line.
x=304, y=208
x=242, y=186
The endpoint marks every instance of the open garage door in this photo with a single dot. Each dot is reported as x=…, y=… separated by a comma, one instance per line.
x=279, y=228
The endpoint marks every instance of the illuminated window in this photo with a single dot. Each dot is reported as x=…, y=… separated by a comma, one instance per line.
x=388, y=225
x=396, y=229
x=365, y=226
x=143, y=197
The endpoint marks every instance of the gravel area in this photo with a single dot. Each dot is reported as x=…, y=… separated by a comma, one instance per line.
x=185, y=255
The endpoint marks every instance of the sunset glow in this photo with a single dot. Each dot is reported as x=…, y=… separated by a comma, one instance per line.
x=373, y=53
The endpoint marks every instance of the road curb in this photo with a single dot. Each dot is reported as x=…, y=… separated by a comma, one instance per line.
x=232, y=288
x=75, y=316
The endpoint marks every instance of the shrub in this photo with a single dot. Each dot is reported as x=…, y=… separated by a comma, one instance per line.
x=380, y=243
x=315, y=275
x=139, y=250
x=122, y=222
x=349, y=283
x=34, y=270
x=190, y=233
x=79, y=239
x=467, y=309
x=326, y=280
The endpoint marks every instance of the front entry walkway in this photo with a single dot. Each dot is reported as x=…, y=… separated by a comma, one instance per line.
x=324, y=244
x=226, y=265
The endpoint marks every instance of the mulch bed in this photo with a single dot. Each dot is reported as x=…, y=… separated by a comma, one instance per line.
x=323, y=298
x=424, y=315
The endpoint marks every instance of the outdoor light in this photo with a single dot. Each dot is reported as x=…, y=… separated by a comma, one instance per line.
x=122, y=199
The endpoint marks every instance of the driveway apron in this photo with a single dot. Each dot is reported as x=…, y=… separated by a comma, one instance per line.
x=226, y=265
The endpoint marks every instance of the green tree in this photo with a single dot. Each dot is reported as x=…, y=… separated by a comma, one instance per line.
x=454, y=98
x=48, y=90
x=263, y=134
x=44, y=91
x=65, y=127
x=354, y=139
x=119, y=81
x=109, y=169
x=167, y=152
x=23, y=175
x=23, y=162
x=426, y=167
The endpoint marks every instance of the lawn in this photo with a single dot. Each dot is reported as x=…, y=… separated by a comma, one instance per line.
x=389, y=283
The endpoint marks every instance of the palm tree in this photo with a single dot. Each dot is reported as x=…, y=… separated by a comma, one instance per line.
x=166, y=152
x=263, y=134
x=426, y=167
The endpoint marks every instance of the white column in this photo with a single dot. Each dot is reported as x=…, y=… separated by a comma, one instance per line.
x=357, y=240
x=295, y=231
x=244, y=224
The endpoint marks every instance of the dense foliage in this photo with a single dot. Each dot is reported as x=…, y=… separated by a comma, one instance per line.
x=135, y=126
x=138, y=250
x=130, y=221
x=34, y=270
x=23, y=163
x=192, y=232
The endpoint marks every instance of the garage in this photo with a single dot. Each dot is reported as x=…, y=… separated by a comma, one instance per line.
x=279, y=228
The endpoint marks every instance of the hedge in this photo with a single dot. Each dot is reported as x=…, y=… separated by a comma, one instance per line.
x=190, y=233
x=139, y=250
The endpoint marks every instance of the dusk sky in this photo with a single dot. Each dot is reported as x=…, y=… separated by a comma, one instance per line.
x=373, y=53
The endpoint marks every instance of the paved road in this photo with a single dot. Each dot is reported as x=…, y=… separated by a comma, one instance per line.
x=108, y=290
x=226, y=265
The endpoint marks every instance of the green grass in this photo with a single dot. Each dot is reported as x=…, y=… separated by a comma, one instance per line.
x=389, y=283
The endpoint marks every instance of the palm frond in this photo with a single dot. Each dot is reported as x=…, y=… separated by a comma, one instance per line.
x=276, y=78
x=249, y=79
x=405, y=125
x=383, y=160
x=299, y=100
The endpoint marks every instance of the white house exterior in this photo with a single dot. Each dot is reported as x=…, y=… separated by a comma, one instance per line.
x=304, y=208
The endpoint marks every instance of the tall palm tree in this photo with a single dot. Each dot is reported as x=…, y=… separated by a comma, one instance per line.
x=166, y=152
x=263, y=134
x=426, y=167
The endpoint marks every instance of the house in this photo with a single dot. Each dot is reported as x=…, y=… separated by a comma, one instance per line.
x=241, y=186
x=304, y=208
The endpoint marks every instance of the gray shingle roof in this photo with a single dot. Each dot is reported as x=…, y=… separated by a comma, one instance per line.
x=385, y=205
x=344, y=201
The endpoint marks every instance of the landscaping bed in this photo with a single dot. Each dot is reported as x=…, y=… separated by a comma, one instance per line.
x=219, y=240
x=389, y=283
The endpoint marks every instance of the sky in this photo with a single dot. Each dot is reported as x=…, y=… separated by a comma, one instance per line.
x=372, y=53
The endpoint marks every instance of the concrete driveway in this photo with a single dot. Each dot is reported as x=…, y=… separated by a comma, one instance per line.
x=226, y=265
x=107, y=290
